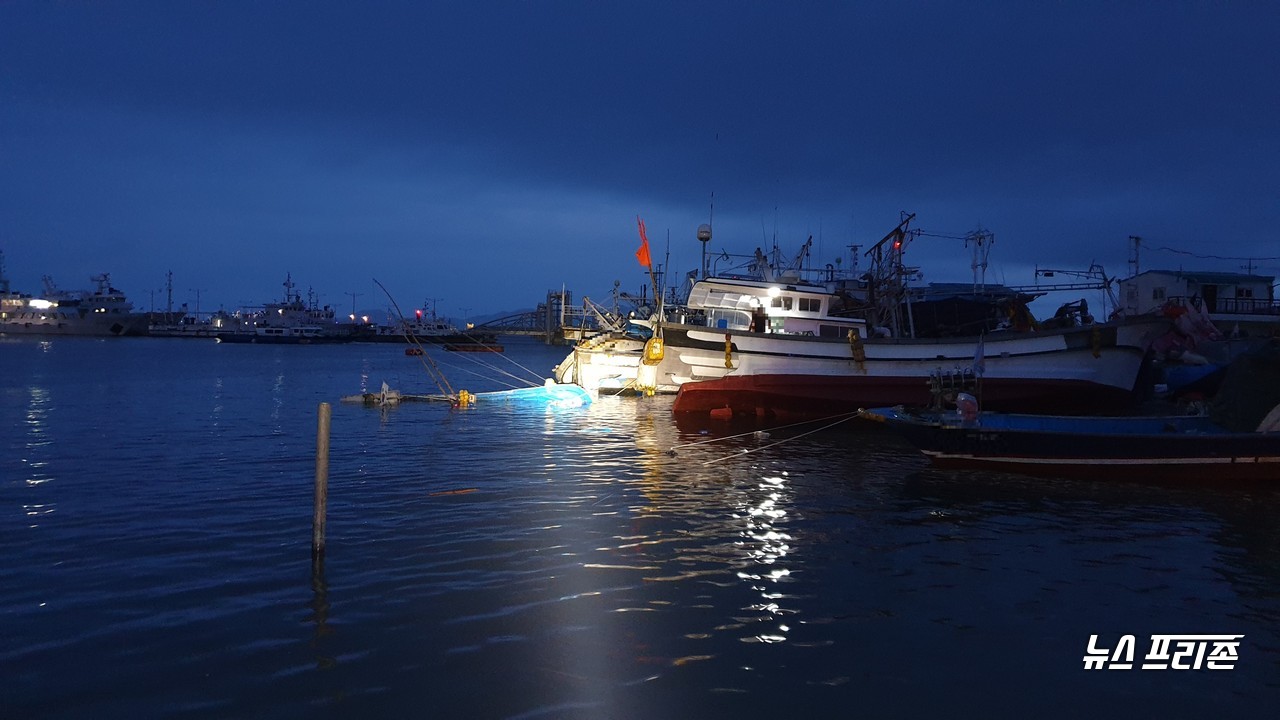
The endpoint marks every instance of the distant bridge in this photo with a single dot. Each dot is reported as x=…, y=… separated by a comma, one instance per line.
x=548, y=320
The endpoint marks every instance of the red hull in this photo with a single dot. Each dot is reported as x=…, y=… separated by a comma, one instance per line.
x=808, y=396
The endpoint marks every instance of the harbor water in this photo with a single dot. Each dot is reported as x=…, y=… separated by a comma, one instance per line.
x=506, y=561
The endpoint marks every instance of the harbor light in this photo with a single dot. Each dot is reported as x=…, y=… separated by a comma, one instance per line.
x=41, y=304
x=775, y=291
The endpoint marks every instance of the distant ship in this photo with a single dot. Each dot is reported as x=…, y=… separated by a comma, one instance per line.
x=291, y=322
x=429, y=328
x=104, y=311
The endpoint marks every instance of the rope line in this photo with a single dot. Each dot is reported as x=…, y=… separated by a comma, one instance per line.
x=784, y=440
x=845, y=416
x=504, y=357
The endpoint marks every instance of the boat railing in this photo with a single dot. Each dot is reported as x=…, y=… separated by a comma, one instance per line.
x=1231, y=306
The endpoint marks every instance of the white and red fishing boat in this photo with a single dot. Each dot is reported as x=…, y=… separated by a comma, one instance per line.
x=775, y=345
x=1088, y=369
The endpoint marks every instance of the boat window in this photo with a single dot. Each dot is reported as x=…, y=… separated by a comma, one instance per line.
x=728, y=319
x=832, y=331
x=810, y=305
x=1157, y=293
x=783, y=302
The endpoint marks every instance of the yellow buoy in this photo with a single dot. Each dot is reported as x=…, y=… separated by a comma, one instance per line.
x=653, y=351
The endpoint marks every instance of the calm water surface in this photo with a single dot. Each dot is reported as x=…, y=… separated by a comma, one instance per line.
x=506, y=562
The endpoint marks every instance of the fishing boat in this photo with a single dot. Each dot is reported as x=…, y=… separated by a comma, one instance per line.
x=1235, y=435
x=1159, y=447
x=772, y=343
x=103, y=311
x=1077, y=370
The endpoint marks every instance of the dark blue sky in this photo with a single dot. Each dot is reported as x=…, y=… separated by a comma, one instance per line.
x=484, y=153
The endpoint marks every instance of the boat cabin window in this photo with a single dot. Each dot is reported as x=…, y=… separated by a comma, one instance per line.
x=810, y=305
x=833, y=331
x=1157, y=293
x=783, y=302
x=728, y=319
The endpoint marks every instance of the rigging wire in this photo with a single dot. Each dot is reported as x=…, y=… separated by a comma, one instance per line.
x=522, y=382
x=504, y=357
x=1205, y=257
x=922, y=233
x=481, y=341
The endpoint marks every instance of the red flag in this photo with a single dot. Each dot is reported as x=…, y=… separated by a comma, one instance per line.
x=642, y=254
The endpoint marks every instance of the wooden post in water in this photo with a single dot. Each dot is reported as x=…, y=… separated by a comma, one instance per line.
x=322, y=481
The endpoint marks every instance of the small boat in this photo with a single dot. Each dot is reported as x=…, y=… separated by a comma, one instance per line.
x=1148, y=447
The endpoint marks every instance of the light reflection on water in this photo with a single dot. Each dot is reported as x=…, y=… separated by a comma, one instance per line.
x=507, y=562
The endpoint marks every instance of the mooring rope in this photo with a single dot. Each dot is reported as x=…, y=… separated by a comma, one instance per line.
x=844, y=416
x=850, y=417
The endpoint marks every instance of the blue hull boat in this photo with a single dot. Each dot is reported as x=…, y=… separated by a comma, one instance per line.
x=1155, y=447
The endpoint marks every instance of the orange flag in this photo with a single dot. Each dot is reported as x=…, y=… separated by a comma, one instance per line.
x=643, y=253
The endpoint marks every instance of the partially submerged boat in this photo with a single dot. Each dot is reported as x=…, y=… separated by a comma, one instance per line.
x=550, y=394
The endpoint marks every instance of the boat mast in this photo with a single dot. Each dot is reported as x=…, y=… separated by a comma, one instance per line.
x=981, y=243
x=886, y=286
